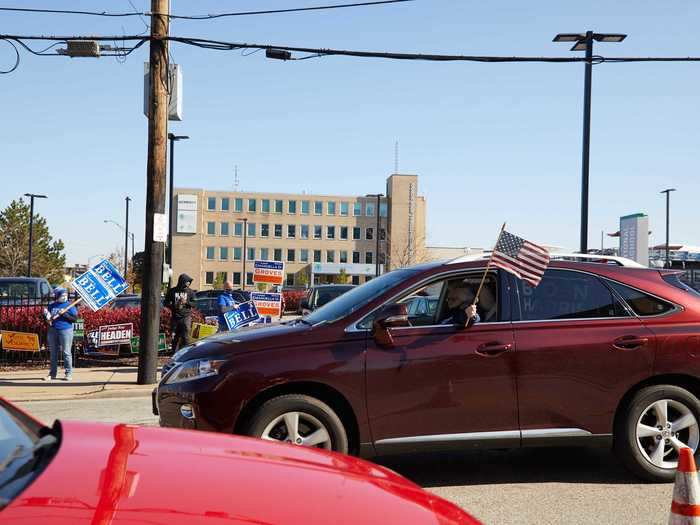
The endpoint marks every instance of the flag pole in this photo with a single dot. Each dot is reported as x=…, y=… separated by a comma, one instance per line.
x=488, y=265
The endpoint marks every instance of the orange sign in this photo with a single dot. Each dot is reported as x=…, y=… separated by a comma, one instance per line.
x=22, y=341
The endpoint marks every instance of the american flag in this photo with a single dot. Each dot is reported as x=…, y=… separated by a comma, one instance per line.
x=522, y=258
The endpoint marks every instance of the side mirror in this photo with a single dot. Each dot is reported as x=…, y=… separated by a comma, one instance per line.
x=391, y=316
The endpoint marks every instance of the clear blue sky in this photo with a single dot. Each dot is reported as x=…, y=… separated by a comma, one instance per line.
x=491, y=142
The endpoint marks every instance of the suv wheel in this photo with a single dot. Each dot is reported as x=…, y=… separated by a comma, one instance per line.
x=299, y=420
x=656, y=424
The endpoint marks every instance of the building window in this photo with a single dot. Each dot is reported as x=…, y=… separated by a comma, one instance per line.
x=210, y=253
x=238, y=229
x=382, y=234
x=369, y=234
x=223, y=228
x=304, y=231
x=278, y=231
x=291, y=255
x=278, y=254
x=237, y=278
x=238, y=204
x=343, y=233
x=344, y=209
x=209, y=278
x=369, y=209
x=292, y=207
x=382, y=258
x=251, y=254
x=303, y=255
x=225, y=201
x=318, y=231
x=211, y=228
x=252, y=205
x=356, y=257
x=343, y=256
x=368, y=258
x=290, y=279
x=291, y=231
x=251, y=229
x=305, y=205
x=331, y=208
x=264, y=253
x=266, y=205
x=249, y=278
x=356, y=233
x=357, y=209
x=383, y=209
x=318, y=207
x=264, y=230
x=237, y=253
x=279, y=204
x=223, y=253
x=355, y=280
x=211, y=203
x=317, y=255
x=330, y=256
x=330, y=232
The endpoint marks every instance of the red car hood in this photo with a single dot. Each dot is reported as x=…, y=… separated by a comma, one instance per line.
x=125, y=474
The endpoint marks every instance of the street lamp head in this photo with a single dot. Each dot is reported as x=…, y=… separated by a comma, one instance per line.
x=35, y=195
x=374, y=195
x=579, y=46
x=669, y=190
x=569, y=37
x=172, y=136
x=609, y=37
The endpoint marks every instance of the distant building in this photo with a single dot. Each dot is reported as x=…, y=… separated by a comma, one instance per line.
x=440, y=253
x=317, y=236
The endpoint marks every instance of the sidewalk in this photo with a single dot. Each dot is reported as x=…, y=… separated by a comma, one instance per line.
x=88, y=383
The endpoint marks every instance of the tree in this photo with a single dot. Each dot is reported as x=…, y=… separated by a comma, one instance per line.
x=342, y=277
x=48, y=259
x=401, y=256
x=136, y=270
x=219, y=281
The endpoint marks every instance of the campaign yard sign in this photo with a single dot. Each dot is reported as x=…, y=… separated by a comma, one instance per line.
x=79, y=329
x=20, y=341
x=268, y=272
x=136, y=340
x=200, y=331
x=99, y=285
x=267, y=303
x=246, y=313
x=115, y=334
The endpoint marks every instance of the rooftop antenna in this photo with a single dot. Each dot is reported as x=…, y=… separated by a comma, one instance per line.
x=235, y=178
x=396, y=156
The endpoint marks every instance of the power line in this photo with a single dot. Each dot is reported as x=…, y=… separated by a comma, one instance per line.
x=201, y=17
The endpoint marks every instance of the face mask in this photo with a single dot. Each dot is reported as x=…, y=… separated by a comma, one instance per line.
x=63, y=298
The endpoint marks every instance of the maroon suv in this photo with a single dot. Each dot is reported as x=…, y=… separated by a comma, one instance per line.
x=597, y=353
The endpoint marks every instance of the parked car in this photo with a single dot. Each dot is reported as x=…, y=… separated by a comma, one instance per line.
x=320, y=295
x=129, y=301
x=24, y=290
x=421, y=308
x=241, y=296
x=596, y=354
x=81, y=472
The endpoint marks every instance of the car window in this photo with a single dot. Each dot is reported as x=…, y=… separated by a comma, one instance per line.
x=564, y=294
x=18, y=289
x=641, y=303
x=675, y=279
x=45, y=290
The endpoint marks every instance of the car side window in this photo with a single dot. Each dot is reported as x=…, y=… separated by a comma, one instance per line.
x=45, y=290
x=641, y=303
x=564, y=294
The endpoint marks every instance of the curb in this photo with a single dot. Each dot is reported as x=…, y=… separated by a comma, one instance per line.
x=104, y=394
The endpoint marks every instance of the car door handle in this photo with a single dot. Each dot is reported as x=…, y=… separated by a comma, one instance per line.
x=493, y=349
x=630, y=342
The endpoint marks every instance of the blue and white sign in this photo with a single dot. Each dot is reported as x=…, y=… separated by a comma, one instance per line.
x=246, y=313
x=100, y=285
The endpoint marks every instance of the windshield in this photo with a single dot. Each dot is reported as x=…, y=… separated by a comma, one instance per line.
x=358, y=297
x=326, y=295
x=23, y=452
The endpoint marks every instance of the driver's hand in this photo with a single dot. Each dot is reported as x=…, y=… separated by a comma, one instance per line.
x=470, y=311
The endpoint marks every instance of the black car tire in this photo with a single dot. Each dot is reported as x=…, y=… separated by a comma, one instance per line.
x=276, y=407
x=625, y=432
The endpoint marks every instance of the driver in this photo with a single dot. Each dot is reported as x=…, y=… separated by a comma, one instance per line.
x=461, y=310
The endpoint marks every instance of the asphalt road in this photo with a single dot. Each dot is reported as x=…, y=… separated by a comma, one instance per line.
x=527, y=486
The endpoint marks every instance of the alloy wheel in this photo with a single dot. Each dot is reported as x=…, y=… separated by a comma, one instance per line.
x=298, y=428
x=663, y=428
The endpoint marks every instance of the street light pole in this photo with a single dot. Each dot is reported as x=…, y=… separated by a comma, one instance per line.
x=376, y=263
x=584, y=42
x=668, y=206
x=126, y=239
x=245, y=248
x=169, y=253
x=31, y=196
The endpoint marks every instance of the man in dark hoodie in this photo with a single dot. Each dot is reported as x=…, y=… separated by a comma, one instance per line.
x=180, y=300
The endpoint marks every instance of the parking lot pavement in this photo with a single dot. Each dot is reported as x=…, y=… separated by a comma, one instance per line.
x=542, y=486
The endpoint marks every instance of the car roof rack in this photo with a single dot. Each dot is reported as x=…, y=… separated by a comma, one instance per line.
x=580, y=257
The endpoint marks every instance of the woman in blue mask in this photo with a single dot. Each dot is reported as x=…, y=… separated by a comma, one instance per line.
x=61, y=316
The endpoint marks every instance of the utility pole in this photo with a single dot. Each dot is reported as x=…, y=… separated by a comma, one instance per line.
x=586, y=155
x=126, y=239
x=245, y=248
x=31, y=196
x=376, y=255
x=155, y=192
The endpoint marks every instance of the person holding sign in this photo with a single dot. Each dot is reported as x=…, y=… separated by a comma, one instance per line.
x=180, y=300
x=226, y=303
x=61, y=315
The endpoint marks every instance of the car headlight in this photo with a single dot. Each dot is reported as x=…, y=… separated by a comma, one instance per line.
x=195, y=369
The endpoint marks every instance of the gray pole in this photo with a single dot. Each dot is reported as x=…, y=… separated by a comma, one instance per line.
x=586, y=141
x=376, y=268
x=245, y=248
x=126, y=239
x=169, y=252
x=31, y=235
